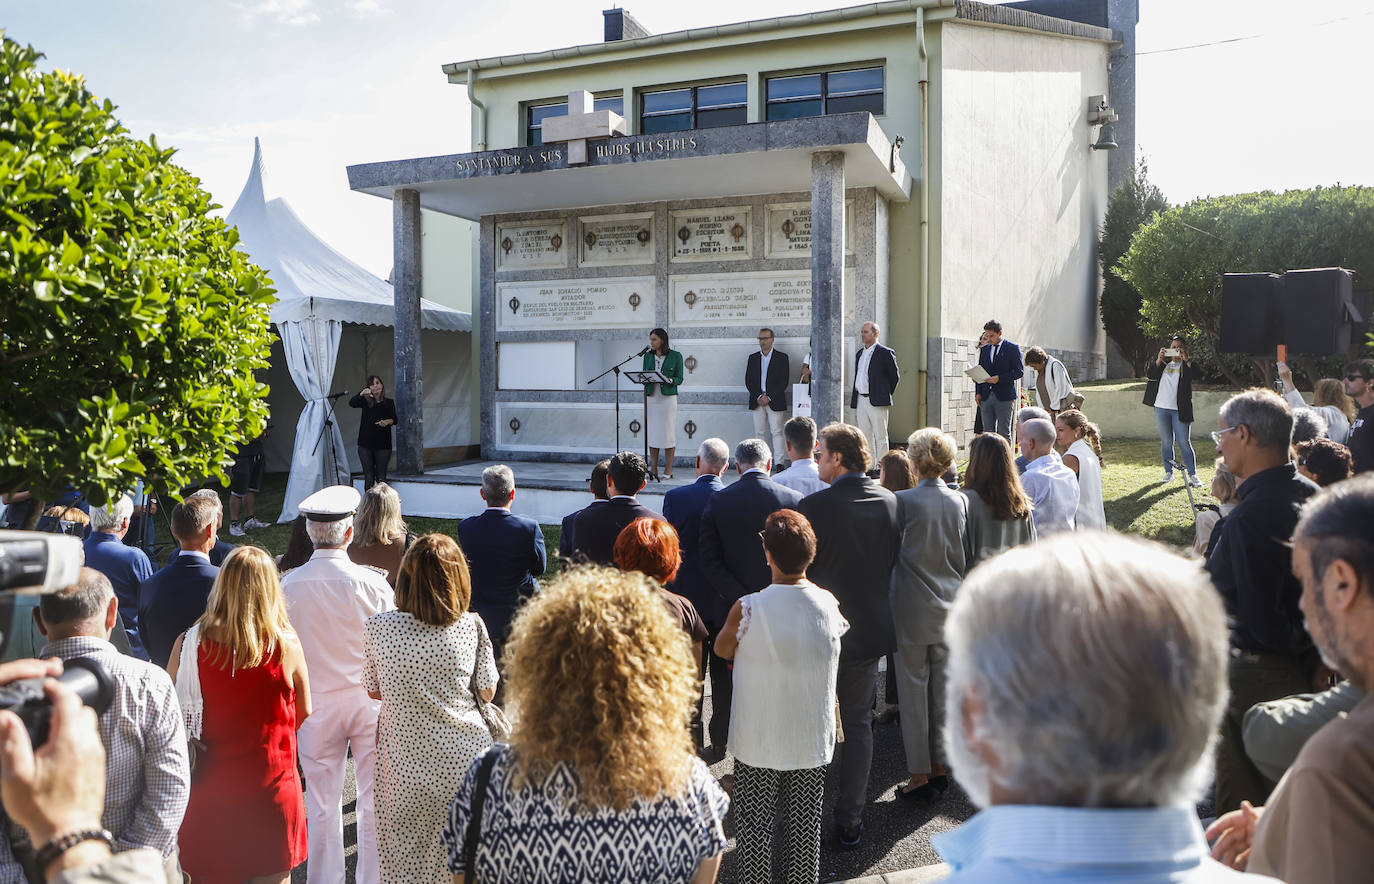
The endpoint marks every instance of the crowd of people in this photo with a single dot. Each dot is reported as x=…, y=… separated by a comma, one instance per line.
x=1083, y=688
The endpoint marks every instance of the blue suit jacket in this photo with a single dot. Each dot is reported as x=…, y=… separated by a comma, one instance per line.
x=1007, y=367
x=731, y=549
x=127, y=567
x=170, y=601
x=883, y=376
x=682, y=507
x=505, y=553
x=596, y=527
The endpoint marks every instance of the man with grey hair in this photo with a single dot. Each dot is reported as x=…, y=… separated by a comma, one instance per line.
x=1072, y=748
x=682, y=507
x=505, y=554
x=1029, y=413
x=732, y=557
x=147, y=779
x=875, y=379
x=1051, y=486
x=329, y=598
x=1251, y=567
x=1319, y=823
x=125, y=566
x=221, y=548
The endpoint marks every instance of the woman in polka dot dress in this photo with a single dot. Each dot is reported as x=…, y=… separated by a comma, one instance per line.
x=419, y=662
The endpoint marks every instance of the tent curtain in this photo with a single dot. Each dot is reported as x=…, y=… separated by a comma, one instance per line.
x=311, y=347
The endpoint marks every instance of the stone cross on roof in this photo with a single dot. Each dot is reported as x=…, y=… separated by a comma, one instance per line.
x=580, y=124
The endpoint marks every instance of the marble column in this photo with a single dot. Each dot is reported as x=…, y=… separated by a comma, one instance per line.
x=408, y=384
x=827, y=286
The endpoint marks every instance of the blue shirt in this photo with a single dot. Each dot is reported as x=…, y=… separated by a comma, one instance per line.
x=127, y=567
x=1029, y=843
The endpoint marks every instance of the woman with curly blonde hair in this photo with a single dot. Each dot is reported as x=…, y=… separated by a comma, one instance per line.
x=599, y=781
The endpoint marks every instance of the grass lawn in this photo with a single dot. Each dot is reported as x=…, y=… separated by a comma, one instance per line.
x=1136, y=502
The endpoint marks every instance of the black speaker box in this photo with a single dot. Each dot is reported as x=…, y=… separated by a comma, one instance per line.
x=1317, y=311
x=1251, y=313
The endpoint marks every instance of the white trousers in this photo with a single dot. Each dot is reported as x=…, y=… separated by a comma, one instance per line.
x=339, y=720
x=768, y=427
x=872, y=420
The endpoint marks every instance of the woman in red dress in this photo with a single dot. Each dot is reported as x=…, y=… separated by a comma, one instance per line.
x=246, y=816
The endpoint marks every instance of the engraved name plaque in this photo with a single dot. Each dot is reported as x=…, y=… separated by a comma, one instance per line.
x=575, y=303
x=610, y=240
x=771, y=297
x=710, y=234
x=531, y=245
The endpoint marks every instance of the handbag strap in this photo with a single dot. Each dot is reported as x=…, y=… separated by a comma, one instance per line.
x=479, y=796
x=477, y=664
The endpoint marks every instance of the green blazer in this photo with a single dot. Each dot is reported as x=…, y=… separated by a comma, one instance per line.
x=672, y=367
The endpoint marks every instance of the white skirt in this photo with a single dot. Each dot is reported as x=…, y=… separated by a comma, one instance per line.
x=662, y=421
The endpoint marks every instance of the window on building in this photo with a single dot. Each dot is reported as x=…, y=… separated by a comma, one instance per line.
x=693, y=107
x=535, y=114
x=833, y=92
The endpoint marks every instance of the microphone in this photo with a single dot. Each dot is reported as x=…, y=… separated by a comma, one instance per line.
x=642, y=352
x=337, y=395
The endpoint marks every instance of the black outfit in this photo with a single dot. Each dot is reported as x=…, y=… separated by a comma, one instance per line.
x=1187, y=373
x=774, y=386
x=596, y=527
x=1361, y=440
x=374, y=442
x=1272, y=656
x=732, y=560
x=858, y=538
x=505, y=554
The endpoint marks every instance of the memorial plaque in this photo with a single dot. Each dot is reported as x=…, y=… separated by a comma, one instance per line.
x=531, y=245
x=788, y=231
x=710, y=234
x=769, y=297
x=575, y=303
x=609, y=240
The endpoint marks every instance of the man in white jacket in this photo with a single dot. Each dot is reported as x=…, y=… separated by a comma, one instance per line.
x=1049, y=379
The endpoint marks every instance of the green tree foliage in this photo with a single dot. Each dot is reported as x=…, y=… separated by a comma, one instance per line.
x=132, y=327
x=1176, y=261
x=1134, y=203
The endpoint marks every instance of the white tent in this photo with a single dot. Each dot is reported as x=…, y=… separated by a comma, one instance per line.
x=327, y=314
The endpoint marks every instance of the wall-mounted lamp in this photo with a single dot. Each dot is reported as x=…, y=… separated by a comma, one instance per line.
x=1100, y=113
x=892, y=154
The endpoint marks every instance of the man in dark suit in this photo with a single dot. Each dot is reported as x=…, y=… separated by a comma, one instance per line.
x=682, y=507
x=596, y=484
x=996, y=397
x=732, y=556
x=596, y=527
x=505, y=554
x=766, y=376
x=222, y=548
x=875, y=378
x=173, y=598
x=858, y=537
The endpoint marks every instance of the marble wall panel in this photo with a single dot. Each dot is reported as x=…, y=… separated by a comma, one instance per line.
x=531, y=245
x=553, y=304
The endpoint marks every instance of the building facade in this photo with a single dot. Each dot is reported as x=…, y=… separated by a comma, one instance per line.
x=924, y=164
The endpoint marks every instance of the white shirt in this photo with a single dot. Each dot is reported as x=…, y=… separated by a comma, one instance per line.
x=783, y=714
x=803, y=476
x=764, y=359
x=1053, y=488
x=1167, y=395
x=1090, y=514
x=329, y=598
x=1337, y=424
x=861, y=374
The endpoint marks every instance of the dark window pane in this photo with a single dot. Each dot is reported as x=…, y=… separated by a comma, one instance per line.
x=790, y=110
x=850, y=82
x=665, y=123
x=721, y=96
x=616, y=104
x=852, y=103
x=724, y=116
x=808, y=86
x=539, y=112
x=667, y=102
x=534, y=137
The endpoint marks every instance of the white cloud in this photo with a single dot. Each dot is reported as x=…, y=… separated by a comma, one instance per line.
x=289, y=12
x=368, y=8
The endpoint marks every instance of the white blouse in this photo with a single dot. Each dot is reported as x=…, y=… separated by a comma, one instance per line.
x=1091, y=514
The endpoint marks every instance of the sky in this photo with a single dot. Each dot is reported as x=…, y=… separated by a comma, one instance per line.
x=1233, y=95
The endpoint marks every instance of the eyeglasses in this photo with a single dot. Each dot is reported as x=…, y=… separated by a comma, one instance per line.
x=1216, y=434
x=1302, y=461
x=765, y=337
x=1356, y=377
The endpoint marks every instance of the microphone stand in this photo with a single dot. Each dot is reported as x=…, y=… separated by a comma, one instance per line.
x=616, y=369
x=328, y=429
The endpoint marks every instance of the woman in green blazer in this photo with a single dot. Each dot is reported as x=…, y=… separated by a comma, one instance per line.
x=662, y=400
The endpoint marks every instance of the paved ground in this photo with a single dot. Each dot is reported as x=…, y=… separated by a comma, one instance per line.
x=896, y=834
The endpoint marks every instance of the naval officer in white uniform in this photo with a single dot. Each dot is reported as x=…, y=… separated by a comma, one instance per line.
x=329, y=598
